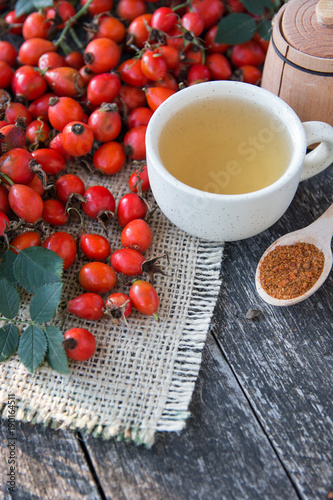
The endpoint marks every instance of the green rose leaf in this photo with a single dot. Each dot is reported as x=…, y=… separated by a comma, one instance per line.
x=264, y=29
x=257, y=7
x=9, y=337
x=44, y=304
x=56, y=354
x=32, y=347
x=23, y=7
x=36, y=266
x=40, y=4
x=27, y=6
x=9, y=299
x=235, y=28
x=6, y=266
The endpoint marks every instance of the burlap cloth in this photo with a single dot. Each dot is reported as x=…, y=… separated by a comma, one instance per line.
x=141, y=379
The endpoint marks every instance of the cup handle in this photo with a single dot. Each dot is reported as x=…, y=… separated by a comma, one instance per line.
x=321, y=156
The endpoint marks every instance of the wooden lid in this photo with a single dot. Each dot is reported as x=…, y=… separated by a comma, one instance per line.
x=303, y=26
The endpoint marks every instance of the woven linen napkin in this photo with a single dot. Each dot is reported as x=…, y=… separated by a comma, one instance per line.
x=141, y=378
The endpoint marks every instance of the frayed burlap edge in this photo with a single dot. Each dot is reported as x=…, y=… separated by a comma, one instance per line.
x=206, y=286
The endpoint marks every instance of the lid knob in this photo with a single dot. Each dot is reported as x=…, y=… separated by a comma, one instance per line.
x=324, y=12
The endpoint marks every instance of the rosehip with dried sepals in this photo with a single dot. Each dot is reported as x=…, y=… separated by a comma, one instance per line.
x=51, y=161
x=67, y=186
x=65, y=81
x=16, y=110
x=37, y=132
x=139, y=180
x=99, y=202
x=127, y=261
x=105, y=122
x=119, y=306
x=130, y=262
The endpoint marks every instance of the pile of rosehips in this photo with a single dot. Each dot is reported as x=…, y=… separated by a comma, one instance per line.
x=91, y=103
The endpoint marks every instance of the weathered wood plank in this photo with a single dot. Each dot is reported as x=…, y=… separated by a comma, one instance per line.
x=222, y=454
x=283, y=359
x=49, y=465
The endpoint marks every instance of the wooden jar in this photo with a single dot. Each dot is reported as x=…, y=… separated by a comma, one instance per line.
x=299, y=62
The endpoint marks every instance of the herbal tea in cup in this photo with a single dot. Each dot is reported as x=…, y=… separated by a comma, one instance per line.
x=225, y=145
x=225, y=158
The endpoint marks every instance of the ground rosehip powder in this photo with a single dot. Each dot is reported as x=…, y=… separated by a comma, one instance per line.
x=289, y=271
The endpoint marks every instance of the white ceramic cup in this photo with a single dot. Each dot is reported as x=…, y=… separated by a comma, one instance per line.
x=225, y=217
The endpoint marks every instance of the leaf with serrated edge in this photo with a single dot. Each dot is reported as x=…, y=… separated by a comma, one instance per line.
x=9, y=299
x=9, y=337
x=43, y=305
x=32, y=347
x=56, y=354
x=6, y=266
x=24, y=7
x=235, y=28
x=36, y=266
x=264, y=29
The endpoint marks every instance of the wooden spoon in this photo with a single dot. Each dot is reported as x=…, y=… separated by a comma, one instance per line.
x=319, y=233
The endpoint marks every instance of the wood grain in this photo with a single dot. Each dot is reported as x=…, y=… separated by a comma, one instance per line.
x=299, y=62
x=222, y=454
x=261, y=425
x=301, y=29
x=283, y=359
x=324, y=12
x=50, y=465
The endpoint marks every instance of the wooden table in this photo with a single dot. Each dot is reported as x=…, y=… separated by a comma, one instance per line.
x=261, y=425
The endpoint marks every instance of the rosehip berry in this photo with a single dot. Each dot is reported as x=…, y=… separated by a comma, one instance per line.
x=144, y=298
x=64, y=245
x=79, y=344
x=97, y=277
x=77, y=138
x=87, y=306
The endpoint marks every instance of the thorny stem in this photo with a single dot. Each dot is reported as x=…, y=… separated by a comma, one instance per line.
x=71, y=21
x=65, y=47
x=181, y=5
x=76, y=38
x=17, y=320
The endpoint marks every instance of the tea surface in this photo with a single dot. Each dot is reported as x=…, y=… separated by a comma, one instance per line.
x=225, y=146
